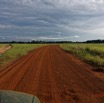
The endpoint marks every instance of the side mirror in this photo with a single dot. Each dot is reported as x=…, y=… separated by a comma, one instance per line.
x=17, y=97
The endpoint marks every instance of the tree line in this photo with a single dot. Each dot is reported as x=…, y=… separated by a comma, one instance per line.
x=35, y=42
x=45, y=42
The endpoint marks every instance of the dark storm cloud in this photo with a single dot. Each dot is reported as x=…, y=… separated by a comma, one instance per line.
x=51, y=19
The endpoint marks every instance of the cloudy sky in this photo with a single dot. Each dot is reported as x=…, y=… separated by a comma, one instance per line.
x=73, y=20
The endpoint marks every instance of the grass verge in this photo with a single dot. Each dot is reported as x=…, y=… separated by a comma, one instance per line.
x=93, y=53
x=16, y=52
x=1, y=45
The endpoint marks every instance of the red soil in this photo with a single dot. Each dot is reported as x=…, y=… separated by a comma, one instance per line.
x=54, y=76
x=4, y=48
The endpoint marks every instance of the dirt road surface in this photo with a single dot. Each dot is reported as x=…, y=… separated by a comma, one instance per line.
x=54, y=76
x=4, y=48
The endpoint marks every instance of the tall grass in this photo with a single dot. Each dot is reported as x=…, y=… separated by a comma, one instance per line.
x=90, y=52
x=17, y=51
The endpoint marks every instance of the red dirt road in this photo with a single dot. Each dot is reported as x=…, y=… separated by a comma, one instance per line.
x=54, y=76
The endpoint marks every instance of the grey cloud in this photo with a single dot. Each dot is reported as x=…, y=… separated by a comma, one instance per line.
x=47, y=19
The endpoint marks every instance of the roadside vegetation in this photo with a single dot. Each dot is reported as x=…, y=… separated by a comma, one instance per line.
x=16, y=52
x=93, y=53
x=1, y=45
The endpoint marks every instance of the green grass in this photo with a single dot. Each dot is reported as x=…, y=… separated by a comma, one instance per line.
x=93, y=53
x=16, y=52
x=1, y=45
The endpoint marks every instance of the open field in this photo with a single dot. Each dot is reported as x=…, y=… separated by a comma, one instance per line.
x=16, y=52
x=54, y=76
x=94, y=53
x=1, y=45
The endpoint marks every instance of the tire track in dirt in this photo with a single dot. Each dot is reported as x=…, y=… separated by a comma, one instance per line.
x=16, y=63
x=75, y=80
x=54, y=76
x=87, y=80
x=16, y=73
x=31, y=75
